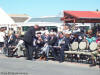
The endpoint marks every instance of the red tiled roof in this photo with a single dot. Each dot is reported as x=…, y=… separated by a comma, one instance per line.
x=84, y=14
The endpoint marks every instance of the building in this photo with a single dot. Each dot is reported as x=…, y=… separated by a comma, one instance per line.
x=82, y=18
x=19, y=18
x=45, y=22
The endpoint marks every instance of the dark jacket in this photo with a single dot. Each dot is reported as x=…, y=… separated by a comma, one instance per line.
x=13, y=39
x=40, y=43
x=52, y=41
x=29, y=35
x=65, y=44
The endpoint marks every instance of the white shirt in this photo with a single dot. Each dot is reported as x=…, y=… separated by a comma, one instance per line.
x=2, y=35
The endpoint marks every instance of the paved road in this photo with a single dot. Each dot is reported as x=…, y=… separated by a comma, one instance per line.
x=20, y=66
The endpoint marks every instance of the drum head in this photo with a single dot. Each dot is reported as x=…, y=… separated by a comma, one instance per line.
x=93, y=46
x=82, y=45
x=74, y=45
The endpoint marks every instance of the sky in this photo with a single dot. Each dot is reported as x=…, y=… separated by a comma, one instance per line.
x=39, y=8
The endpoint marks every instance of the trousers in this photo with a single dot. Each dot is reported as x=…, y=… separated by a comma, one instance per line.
x=29, y=51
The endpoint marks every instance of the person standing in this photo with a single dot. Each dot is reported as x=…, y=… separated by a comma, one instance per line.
x=28, y=39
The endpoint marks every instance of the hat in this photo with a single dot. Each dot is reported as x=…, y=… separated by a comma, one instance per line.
x=68, y=32
x=51, y=33
x=38, y=32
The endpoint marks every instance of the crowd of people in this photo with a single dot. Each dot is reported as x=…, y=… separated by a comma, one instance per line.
x=40, y=45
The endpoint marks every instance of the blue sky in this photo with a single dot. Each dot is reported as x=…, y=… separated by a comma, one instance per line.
x=38, y=8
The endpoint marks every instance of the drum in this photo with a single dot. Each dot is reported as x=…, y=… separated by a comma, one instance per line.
x=74, y=46
x=82, y=45
x=93, y=46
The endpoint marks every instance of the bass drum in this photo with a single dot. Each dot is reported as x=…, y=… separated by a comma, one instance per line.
x=93, y=46
x=74, y=46
x=82, y=45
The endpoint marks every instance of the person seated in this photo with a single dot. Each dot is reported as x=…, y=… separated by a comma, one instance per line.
x=19, y=49
x=75, y=39
x=94, y=55
x=2, y=39
x=12, y=39
x=98, y=39
x=90, y=38
x=39, y=44
x=12, y=42
x=60, y=46
x=44, y=48
x=51, y=39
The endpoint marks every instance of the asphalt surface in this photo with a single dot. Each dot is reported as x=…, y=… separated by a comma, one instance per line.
x=20, y=66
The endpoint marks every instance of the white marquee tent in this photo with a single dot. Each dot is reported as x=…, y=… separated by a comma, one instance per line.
x=4, y=18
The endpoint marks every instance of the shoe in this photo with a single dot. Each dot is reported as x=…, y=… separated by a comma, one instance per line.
x=91, y=65
x=44, y=58
x=35, y=57
x=40, y=58
x=61, y=61
x=17, y=56
x=28, y=58
x=33, y=60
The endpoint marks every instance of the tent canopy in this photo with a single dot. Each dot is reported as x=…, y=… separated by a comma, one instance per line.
x=4, y=18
